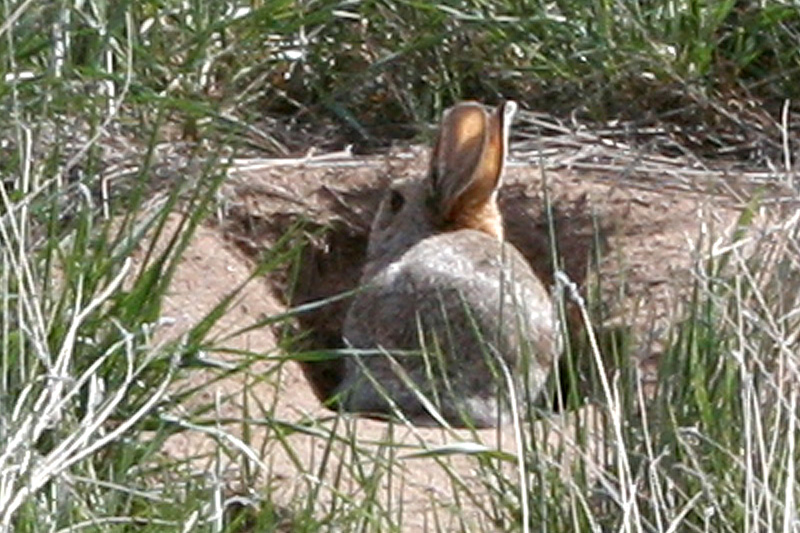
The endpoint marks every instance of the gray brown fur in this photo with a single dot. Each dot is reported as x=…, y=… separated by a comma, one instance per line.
x=444, y=283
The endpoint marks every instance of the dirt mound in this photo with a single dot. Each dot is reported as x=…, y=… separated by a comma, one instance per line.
x=641, y=241
x=638, y=239
x=422, y=489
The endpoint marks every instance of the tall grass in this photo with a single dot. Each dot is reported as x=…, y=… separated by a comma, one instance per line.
x=119, y=118
x=374, y=67
x=720, y=433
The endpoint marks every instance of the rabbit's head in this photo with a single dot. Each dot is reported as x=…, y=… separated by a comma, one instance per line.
x=459, y=190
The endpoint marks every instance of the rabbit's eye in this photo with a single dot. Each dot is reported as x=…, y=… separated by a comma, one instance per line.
x=396, y=202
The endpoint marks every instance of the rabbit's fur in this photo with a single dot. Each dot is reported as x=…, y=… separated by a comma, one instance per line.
x=445, y=303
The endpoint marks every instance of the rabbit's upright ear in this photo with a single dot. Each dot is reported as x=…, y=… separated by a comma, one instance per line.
x=468, y=161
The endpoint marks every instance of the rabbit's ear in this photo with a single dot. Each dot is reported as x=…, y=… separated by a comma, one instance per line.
x=468, y=158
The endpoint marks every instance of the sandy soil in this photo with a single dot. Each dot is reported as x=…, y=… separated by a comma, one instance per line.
x=645, y=241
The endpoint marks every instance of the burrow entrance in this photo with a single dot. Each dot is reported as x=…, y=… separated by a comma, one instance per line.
x=335, y=209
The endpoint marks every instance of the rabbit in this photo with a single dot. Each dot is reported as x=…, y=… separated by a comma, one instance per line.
x=444, y=302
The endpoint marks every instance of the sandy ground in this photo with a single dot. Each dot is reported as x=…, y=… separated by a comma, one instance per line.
x=646, y=240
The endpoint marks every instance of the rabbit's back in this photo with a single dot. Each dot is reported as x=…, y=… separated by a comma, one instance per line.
x=470, y=298
x=440, y=283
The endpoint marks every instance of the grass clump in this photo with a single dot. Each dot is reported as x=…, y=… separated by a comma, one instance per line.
x=371, y=71
x=715, y=445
